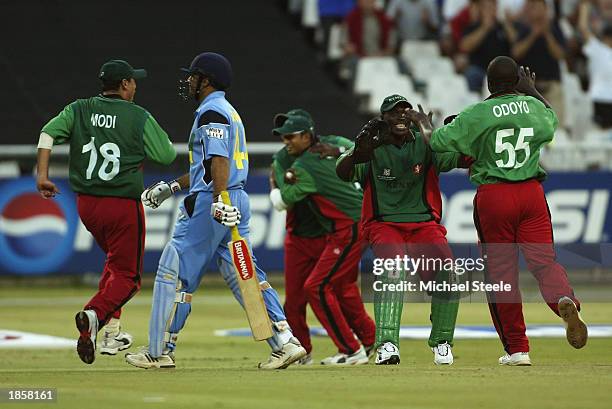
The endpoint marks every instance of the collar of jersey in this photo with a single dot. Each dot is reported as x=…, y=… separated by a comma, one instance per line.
x=213, y=95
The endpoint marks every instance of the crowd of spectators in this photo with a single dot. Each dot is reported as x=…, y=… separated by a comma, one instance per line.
x=542, y=34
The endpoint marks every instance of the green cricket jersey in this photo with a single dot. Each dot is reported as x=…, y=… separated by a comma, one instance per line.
x=333, y=203
x=504, y=135
x=301, y=220
x=401, y=183
x=109, y=139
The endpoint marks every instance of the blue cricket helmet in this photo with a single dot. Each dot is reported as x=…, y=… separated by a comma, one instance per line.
x=213, y=65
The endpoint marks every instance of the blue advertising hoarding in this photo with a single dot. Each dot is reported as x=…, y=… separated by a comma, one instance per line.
x=40, y=237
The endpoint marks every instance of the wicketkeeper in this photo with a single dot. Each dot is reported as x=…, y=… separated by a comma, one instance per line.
x=401, y=216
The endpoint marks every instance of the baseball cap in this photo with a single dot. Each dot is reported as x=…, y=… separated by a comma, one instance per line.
x=293, y=124
x=279, y=119
x=117, y=70
x=391, y=101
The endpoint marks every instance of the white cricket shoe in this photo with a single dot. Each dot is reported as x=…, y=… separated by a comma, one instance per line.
x=387, y=354
x=144, y=360
x=575, y=329
x=113, y=343
x=292, y=351
x=306, y=360
x=443, y=354
x=516, y=359
x=87, y=324
x=360, y=357
x=370, y=350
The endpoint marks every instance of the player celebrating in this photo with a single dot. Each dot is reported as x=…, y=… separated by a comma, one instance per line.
x=109, y=138
x=504, y=134
x=310, y=234
x=401, y=216
x=218, y=162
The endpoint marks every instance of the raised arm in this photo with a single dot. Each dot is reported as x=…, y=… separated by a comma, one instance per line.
x=423, y=121
x=526, y=85
x=583, y=21
x=361, y=153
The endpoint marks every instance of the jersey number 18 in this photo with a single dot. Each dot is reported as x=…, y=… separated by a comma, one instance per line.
x=111, y=154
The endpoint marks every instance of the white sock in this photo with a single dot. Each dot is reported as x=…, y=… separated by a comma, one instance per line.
x=112, y=327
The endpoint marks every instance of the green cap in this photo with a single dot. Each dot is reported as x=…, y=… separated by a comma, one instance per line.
x=117, y=70
x=294, y=124
x=279, y=119
x=391, y=101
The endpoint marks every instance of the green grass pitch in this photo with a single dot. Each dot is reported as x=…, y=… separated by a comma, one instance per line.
x=215, y=372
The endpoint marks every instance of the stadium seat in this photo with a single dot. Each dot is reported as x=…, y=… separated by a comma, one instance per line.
x=412, y=50
x=9, y=169
x=310, y=13
x=449, y=94
x=386, y=86
x=334, y=48
x=422, y=68
x=578, y=120
x=369, y=69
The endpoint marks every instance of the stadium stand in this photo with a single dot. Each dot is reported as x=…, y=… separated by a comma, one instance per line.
x=435, y=80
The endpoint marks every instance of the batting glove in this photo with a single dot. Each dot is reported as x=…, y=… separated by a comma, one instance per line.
x=154, y=195
x=225, y=214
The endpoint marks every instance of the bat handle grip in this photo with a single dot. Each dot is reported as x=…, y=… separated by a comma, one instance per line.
x=226, y=199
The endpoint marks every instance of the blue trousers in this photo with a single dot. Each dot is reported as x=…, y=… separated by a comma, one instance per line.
x=197, y=238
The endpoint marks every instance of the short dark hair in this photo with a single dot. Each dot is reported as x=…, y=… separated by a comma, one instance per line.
x=502, y=74
x=111, y=85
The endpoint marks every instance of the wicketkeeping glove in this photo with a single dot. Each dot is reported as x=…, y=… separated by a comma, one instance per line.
x=367, y=140
x=225, y=214
x=154, y=195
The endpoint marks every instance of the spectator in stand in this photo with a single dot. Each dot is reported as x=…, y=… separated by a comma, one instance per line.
x=368, y=32
x=540, y=46
x=452, y=8
x=462, y=19
x=599, y=54
x=484, y=40
x=414, y=19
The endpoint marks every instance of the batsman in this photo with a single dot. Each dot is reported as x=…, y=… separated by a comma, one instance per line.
x=401, y=216
x=218, y=163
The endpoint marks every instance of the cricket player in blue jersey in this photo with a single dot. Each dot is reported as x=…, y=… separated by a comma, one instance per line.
x=218, y=161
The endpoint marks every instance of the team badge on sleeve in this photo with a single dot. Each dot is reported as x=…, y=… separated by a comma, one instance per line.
x=217, y=133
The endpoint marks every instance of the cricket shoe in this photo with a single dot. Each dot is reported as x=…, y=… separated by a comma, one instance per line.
x=360, y=357
x=144, y=360
x=305, y=360
x=516, y=359
x=113, y=343
x=87, y=324
x=387, y=354
x=292, y=351
x=370, y=350
x=575, y=329
x=443, y=354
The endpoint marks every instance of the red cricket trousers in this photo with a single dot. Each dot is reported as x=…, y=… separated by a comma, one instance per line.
x=427, y=239
x=118, y=225
x=509, y=217
x=323, y=272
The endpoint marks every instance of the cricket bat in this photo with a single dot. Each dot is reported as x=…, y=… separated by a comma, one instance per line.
x=256, y=311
